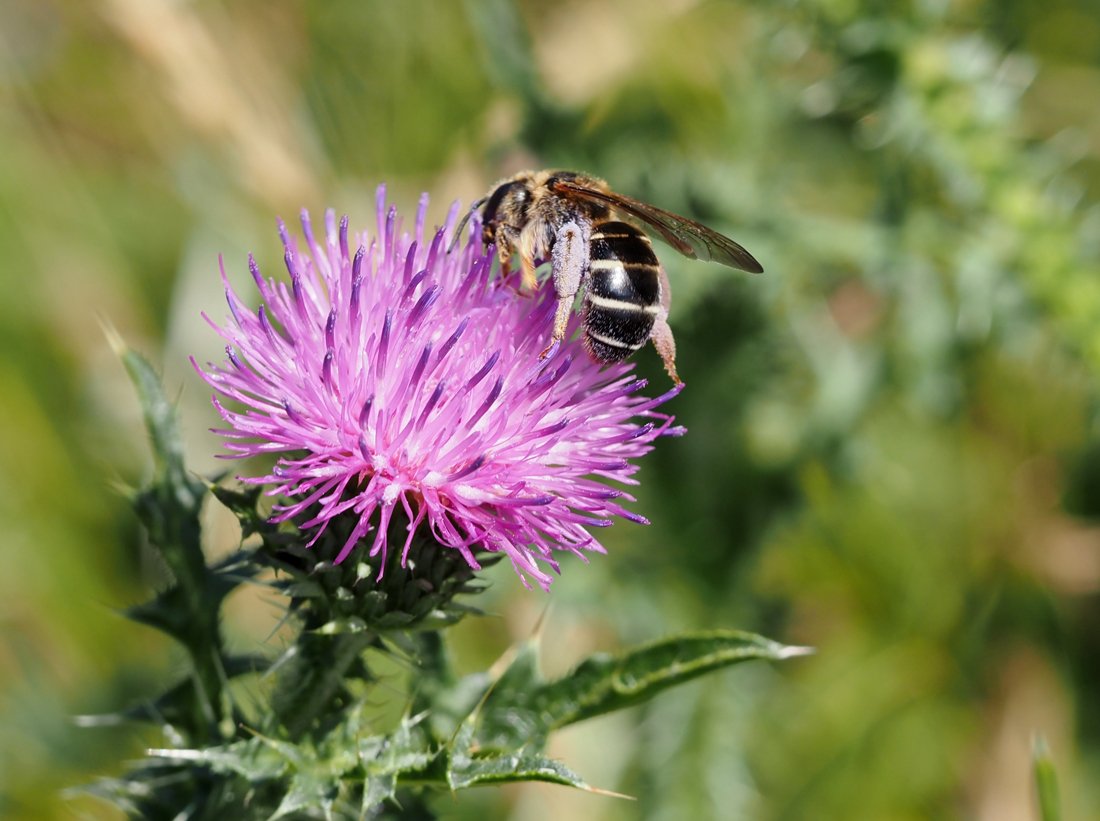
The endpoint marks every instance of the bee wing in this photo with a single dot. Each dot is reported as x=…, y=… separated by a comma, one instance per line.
x=690, y=238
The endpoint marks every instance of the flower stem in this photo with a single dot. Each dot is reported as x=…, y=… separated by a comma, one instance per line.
x=311, y=694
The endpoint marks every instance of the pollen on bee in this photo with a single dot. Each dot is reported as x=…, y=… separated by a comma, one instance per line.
x=569, y=258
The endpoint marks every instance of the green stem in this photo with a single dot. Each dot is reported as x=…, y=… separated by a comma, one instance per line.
x=311, y=685
x=169, y=508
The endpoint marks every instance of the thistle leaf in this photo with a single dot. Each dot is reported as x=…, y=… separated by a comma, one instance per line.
x=161, y=420
x=509, y=717
x=307, y=795
x=523, y=710
x=253, y=759
x=404, y=751
x=602, y=684
x=508, y=768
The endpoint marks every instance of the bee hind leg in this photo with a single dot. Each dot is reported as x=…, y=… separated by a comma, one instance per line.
x=661, y=335
x=569, y=263
x=561, y=322
x=662, y=339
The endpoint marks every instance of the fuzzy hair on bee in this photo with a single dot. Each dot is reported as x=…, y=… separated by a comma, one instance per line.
x=593, y=239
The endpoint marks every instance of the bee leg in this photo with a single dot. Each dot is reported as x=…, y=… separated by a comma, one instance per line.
x=528, y=280
x=569, y=264
x=666, y=346
x=527, y=247
x=561, y=322
x=661, y=335
x=506, y=240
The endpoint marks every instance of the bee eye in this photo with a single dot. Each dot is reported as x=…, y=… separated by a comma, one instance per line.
x=505, y=201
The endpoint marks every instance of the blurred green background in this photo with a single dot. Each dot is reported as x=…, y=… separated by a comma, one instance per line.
x=893, y=454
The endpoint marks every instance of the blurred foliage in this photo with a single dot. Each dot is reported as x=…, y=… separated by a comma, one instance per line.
x=893, y=443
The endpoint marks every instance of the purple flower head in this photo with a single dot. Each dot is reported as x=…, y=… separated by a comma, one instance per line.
x=394, y=377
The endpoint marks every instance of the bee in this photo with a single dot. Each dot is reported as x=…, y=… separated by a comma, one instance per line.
x=570, y=219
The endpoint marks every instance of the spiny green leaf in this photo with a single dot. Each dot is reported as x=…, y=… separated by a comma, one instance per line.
x=160, y=415
x=160, y=789
x=405, y=750
x=326, y=780
x=377, y=789
x=521, y=710
x=242, y=503
x=253, y=759
x=166, y=612
x=509, y=718
x=602, y=684
x=170, y=611
x=502, y=769
x=307, y=793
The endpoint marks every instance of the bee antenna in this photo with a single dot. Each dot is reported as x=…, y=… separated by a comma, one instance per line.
x=465, y=219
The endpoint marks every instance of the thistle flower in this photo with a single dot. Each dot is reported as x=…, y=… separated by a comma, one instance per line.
x=400, y=377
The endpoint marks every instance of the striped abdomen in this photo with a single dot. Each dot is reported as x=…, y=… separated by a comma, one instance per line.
x=623, y=294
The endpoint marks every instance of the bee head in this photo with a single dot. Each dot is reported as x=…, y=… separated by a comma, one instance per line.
x=508, y=204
